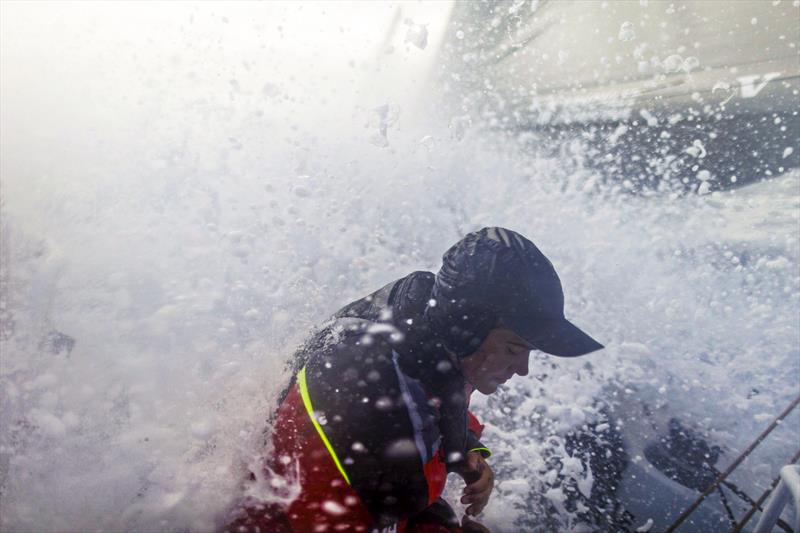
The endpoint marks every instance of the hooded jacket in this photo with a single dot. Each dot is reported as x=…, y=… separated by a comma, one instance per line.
x=388, y=398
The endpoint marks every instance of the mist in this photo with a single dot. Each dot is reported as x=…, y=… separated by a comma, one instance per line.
x=189, y=188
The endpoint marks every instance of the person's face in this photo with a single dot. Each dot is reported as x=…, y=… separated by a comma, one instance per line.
x=501, y=355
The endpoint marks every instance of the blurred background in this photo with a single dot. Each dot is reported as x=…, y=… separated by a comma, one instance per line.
x=186, y=189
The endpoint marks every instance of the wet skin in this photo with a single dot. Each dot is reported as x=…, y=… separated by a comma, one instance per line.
x=501, y=355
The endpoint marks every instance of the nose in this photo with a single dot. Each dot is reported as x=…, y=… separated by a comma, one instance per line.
x=521, y=368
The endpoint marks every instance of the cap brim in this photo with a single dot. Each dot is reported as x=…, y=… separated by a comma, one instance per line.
x=557, y=337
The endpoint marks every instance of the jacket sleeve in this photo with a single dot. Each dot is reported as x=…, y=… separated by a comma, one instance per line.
x=354, y=388
x=474, y=431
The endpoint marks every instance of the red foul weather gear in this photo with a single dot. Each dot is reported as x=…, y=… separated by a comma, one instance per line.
x=362, y=431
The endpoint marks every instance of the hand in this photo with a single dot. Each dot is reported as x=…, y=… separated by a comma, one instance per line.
x=477, y=493
x=470, y=526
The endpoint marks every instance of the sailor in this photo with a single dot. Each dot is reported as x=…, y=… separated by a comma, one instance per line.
x=376, y=413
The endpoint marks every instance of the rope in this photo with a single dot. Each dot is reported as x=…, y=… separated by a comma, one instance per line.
x=733, y=466
x=761, y=499
x=731, y=517
x=736, y=490
x=743, y=495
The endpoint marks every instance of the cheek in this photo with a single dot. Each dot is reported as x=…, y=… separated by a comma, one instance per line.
x=499, y=367
x=484, y=360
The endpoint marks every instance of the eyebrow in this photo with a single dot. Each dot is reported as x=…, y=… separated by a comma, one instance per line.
x=515, y=343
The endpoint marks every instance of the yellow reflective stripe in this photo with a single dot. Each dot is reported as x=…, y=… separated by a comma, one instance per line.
x=479, y=450
x=301, y=381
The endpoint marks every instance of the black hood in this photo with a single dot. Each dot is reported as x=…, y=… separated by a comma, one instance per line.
x=428, y=334
x=423, y=356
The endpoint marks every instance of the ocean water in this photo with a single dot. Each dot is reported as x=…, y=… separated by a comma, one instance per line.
x=187, y=190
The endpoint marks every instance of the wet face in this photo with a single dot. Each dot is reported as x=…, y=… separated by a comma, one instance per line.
x=502, y=354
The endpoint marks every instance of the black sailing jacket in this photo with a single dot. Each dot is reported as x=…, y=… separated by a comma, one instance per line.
x=387, y=396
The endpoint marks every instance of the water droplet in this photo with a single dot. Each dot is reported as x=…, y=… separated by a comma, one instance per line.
x=334, y=508
x=690, y=63
x=723, y=90
x=444, y=366
x=704, y=175
x=626, y=32
x=673, y=63
x=384, y=403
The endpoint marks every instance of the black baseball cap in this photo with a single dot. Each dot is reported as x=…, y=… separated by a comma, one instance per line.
x=499, y=270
